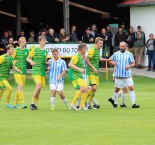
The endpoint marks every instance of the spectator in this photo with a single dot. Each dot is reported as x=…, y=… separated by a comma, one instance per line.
x=104, y=36
x=119, y=37
x=51, y=36
x=63, y=37
x=5, y=37
x=139, y=46
x=10, y=34
x=94, y=31
x=22, y=34
x=4, y=40
x=124, y=29
x=87, y=37
x=32, y=37
x=110, y=36
x=73, y=34
x=43, y=32
x=12, y=42
x=130, y=40
x=151, y=52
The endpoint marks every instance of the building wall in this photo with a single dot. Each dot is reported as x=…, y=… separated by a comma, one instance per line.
x=145, y=17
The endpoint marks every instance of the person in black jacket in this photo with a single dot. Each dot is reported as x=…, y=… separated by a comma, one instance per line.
x=104, y=36
x=119, y=37
x=130, y=40
x=73, y=34
x=110, y=36
x=94, y=31
x=51, y=36
x=87, y=37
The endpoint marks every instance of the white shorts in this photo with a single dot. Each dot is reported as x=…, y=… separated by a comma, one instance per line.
x=123, y=82
x=57, y=87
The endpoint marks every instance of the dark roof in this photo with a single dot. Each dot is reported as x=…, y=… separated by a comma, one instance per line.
x=51, y=12
x=127, y=3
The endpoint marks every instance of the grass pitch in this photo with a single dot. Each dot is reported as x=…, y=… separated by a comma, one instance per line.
x=105, y=126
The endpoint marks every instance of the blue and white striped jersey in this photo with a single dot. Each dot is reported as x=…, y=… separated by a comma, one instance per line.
x=57, y=67
x=84, y=66
x=123, y=60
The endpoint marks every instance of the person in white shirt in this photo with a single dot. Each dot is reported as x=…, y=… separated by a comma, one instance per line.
x=57, y=69
x=123, y=60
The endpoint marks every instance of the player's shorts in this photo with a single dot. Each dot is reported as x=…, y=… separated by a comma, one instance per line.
x=122, y=86
x=78, y=83
x=123, y=82
x=93, y=80
x=57, y=87
x=139, y=51
x=39, y=80
x=20, y=79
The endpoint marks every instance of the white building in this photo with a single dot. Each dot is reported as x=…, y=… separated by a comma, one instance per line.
x=142, y=12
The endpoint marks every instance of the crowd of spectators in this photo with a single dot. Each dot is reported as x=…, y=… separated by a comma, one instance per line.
x=134, y=39
x=88, y=36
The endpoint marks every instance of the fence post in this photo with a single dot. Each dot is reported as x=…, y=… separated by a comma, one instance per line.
x=18, y=17
x=66, y=16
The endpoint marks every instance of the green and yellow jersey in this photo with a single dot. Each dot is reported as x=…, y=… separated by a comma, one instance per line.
x=94, y=57
x=39, y=56
x=20, y=56
x=77, y=60
x=6, y=63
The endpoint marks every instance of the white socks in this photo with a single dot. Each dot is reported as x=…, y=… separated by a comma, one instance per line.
x=123, y=98
x=65, y=101
x=116, y=94
x=52, y=101
x=133, y=97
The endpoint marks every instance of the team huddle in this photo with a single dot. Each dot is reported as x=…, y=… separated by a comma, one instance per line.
x=83, y=73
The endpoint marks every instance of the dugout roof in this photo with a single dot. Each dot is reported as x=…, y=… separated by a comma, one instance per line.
x=50, y=12
x=126, y=3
